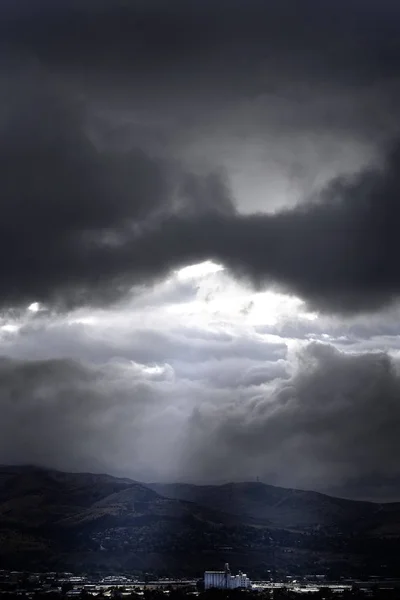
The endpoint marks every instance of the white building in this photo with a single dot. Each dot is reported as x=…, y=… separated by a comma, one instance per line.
x=224, y=579
x=240, y=581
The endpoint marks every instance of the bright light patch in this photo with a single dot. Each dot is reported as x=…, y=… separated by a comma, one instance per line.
x=34, y=307
x=89, y=320
x=199, y=270
x=201, y=295
x=310, y=316
x=154, y=370
x=227, y=301
x=10, y=328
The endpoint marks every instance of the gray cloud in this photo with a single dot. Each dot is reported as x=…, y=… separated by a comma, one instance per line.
x=121, y=418
x=67, y=410
x=334, y=421
x=188, y=347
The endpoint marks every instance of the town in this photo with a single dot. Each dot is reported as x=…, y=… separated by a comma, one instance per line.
x=221, y=585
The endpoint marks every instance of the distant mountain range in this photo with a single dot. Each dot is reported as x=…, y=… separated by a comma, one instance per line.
x=86, y=522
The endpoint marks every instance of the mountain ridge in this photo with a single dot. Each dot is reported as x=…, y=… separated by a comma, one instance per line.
x=61, y=520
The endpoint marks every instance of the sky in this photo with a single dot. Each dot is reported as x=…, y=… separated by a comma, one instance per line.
x=199, y=249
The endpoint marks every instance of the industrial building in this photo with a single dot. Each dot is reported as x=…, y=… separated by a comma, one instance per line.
x=224, y=579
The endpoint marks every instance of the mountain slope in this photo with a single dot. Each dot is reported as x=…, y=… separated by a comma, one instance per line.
x=81, y=521
x=275, y=506
x=34, y=497
x=64, y=519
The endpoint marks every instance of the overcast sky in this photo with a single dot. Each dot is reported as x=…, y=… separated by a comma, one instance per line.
x=199, y=255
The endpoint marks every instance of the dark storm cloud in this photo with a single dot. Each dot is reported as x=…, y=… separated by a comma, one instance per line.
x=338, y=251
x=354, y=38
x=82, y=222
x=127, y=420
x=290, y=434
x=73, y=220
x=69, y=210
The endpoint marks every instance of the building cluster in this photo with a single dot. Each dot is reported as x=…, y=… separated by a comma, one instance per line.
x=225, y=580
x=31, y=586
